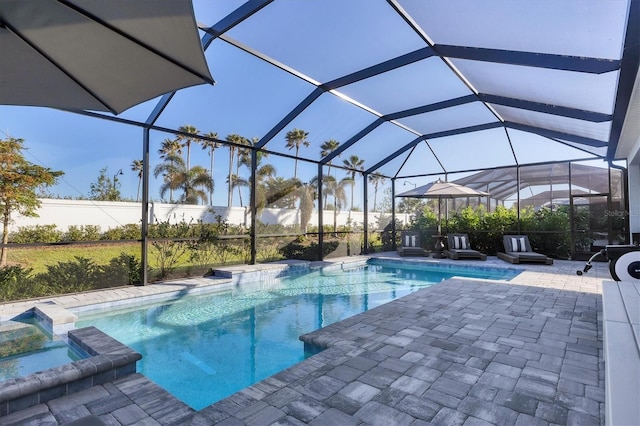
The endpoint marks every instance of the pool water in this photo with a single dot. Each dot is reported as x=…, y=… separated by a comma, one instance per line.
x=27, y=348
x=204, y=348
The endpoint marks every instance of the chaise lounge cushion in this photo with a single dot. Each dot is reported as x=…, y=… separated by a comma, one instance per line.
x=518, y=244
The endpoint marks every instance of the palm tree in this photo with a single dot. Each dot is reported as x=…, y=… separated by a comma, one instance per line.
x=238, y=182
x=376, y=180
x=354, y=163
x=169, y=169
x=171, y=150
x=281, y=193
x=264, y=175
x=194, y=183
x=137, y=166
x=211, y=147
x=239, y=140
x=186, y=140
x=306, y=194
x=295, y=138
x=266, y=172
x=334, y=188
x=327, y=148
x=244, y=159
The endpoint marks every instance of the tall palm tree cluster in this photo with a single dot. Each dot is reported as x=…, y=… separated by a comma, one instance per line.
x=195, y=183
x=188, y=184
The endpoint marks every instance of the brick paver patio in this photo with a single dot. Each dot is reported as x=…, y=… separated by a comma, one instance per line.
x=463, y=352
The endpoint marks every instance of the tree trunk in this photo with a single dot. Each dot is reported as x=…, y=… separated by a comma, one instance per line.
x=211, y=192
x=375, y=195
x=188, y=143
x=5, y=237
x=238, y=180
x=171, y=186
x=353, y=183
x=230, y=199
x=335, y=216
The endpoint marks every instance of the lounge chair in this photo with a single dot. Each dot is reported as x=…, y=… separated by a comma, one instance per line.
x=517, y=249
x=410, y=245
x=459, y=247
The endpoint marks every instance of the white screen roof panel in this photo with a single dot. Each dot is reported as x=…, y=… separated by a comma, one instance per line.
x=379, y=143
x=568, y=27
x=248, y=98
x=421, y=83
x=456, y=117
x=530, y=148
x=486, y=149
x=326, y=39
x=420, y=162
x=329, y=117
x=590, y=92
x=598, y=131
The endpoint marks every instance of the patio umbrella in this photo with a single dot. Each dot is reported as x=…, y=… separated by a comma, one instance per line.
x=97, y=55
x=440, y=190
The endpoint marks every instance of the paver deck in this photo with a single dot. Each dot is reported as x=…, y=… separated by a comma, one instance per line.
x=463, y=352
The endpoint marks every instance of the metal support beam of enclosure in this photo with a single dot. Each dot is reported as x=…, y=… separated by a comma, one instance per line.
x=365, y=210
x=393, y=215
x=144, y=259
x=253, y=204
x=320, y=215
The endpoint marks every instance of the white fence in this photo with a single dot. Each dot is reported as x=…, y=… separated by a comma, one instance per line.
x=109, y=214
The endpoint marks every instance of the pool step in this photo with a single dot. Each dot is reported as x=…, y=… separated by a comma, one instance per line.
x=56, y=318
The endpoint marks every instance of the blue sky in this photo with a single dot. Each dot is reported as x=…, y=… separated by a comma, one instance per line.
x=250, y=96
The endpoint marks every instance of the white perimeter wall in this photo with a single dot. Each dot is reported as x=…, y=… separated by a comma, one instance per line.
x=109, y=214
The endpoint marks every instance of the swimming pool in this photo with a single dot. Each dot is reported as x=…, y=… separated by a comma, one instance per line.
x=204, y=348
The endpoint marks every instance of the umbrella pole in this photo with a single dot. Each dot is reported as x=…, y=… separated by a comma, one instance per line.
x=439, y=246
x=439, y=216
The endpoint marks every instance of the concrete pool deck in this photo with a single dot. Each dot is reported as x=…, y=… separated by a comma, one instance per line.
x=471, y=352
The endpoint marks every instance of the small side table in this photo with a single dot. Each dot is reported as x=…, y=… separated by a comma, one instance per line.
x=439, y=247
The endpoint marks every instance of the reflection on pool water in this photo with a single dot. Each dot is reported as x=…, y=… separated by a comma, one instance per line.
x=204, y=348
x=26, y=348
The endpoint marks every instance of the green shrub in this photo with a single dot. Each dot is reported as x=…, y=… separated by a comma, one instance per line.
x=130, y=231
x=548, y=230
x=13, y=282
x=71, y=277
x=307, y=249
x=202, y=253
x=168, y=253
x=122, y=270
x=82, y=233
x=36, y=234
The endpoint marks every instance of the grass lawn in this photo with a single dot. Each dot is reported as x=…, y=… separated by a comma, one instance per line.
x=37, y=258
